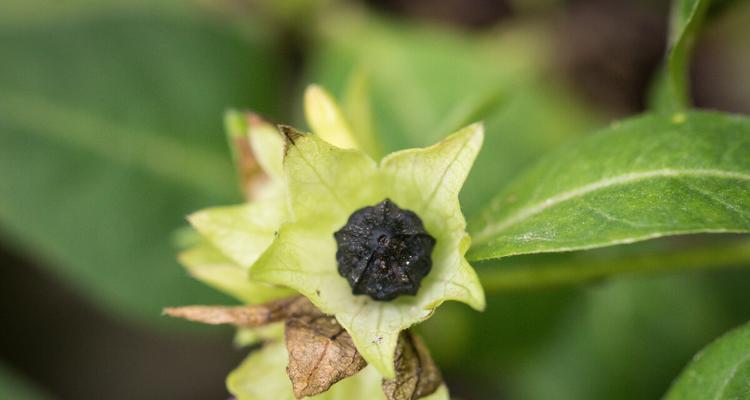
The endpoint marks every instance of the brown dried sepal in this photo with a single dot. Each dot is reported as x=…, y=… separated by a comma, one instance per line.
x=321, y=353
x=252, y=177
x=247, y=316
x=417, y=375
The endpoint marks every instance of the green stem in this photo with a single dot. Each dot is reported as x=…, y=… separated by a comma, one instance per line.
x=705, y=257
x=685, y=27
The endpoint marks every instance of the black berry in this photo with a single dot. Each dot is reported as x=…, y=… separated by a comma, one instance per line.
x=384, y=251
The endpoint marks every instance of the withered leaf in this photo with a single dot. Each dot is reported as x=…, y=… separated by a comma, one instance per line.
x=247, y=316
x=416, y=373
x=321, y=353
x=252, y=177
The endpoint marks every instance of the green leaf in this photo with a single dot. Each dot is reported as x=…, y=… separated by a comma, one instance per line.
x=110, y=132
x=262, y=376
x=721, y=371
x=326, y=185
x=671, y=92
x=642, y=178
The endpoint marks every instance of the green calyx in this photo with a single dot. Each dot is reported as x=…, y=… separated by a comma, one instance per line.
x=286, y=238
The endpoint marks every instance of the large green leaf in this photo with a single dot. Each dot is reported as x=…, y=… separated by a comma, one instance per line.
x=721, y=371
x=110, y=132
x=643, y=178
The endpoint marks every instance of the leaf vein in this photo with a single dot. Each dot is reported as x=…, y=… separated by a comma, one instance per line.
x=486, y=234
x=732, y=373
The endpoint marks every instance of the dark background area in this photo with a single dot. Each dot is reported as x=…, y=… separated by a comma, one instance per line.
x=606, y=51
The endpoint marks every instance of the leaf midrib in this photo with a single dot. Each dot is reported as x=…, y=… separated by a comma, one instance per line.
x=486, y=234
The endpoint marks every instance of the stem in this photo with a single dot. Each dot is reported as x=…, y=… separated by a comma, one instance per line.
x=525, y=276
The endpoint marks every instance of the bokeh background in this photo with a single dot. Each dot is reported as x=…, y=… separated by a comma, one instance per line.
x=111, y=132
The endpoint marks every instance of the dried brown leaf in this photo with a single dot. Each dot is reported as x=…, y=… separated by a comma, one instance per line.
x=252, y=177
x=321, y=353
x=247, y=316
x=416, y=373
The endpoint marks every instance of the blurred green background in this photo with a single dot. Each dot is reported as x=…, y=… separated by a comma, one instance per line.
x=110, y=133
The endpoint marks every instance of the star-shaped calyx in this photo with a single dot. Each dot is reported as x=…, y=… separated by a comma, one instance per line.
x=396, y=225
x=329, y=188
